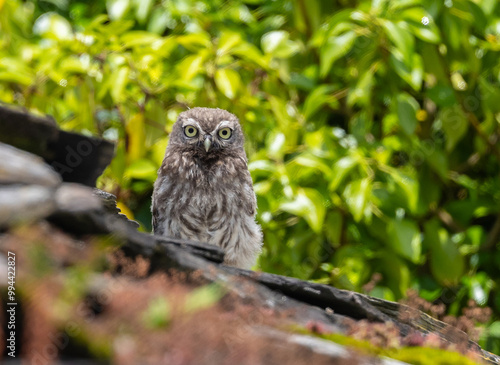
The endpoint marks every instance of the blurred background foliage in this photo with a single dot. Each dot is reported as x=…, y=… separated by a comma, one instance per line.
x=372, y=126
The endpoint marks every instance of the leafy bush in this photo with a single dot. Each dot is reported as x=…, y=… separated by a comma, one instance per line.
x=371, y=126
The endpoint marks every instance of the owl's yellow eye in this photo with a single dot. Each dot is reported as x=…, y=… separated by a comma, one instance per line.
x=190, y=131
x=225, y=133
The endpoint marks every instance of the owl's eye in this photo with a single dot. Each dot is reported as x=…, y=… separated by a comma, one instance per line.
x=225, y=133
x=190, y=131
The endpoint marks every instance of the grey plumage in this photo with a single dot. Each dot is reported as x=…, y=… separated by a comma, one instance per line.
x=204, y=190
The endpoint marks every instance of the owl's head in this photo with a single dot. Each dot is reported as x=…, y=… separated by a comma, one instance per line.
x=207, y=132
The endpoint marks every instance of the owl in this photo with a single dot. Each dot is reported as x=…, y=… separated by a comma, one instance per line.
x=204, y=190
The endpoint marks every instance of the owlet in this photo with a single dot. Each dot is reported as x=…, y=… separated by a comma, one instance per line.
x=204, y=190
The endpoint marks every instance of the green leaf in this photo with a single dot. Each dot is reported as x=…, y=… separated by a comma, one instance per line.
x=438, y=162
x=119, y=81
x=195, y=41
x=401, y=38
x=308, y=204
x=409, y=185
x=317, y=98
x=442, y=95
x=362, y=92
x=228, y=81
x=263, y=187
x=158, y=151
x=340, y=170
x=262, y=166
x=136, y=137
x=141, y=169
x=422, y=24
x=454, y=124
x=251, y=53
x=412, y=73
x=494, y=330
x=119, y=163
x=227, y=42
x=476, y=235
x=352, y=262
x=117, y=8
x=404, y=237
x=357, y=195
x=397, y=276
x=333, y=227
x=23, y=79
x=407, y=108
x=53, y=26
x=447, y=264
x=275, y=143
x=139, y=38
x=191, y=66
x=490, y=94
x=142, y=10
x=313, y=162
x=479, y=286
x=159, y=21
x=335, y=47
x=278, y=44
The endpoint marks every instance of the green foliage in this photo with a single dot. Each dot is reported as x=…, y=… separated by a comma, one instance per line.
x=371, y=126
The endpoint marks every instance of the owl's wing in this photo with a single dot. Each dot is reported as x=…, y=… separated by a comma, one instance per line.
x=249, y=200
x=155, y=212
x=155, y=220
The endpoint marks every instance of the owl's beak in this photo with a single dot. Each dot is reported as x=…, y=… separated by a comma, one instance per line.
x=208, y=142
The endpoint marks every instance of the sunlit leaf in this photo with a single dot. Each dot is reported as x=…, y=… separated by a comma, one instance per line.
x=141, y=169
x=142, y=9
x=262, y=166
x=119, y=81
x=276, y=145
x=335, y=47
x=117, y=8
x=411, y=73
x=422, y=24
x=357, y=195
x=340, y=170
x=308, y=204
x=311, y=161
x=191, y=66
x=401, y=38
x=479, y=286
x=227, y=42
x=52, y=25
x=228, y=81
x=279, y=44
